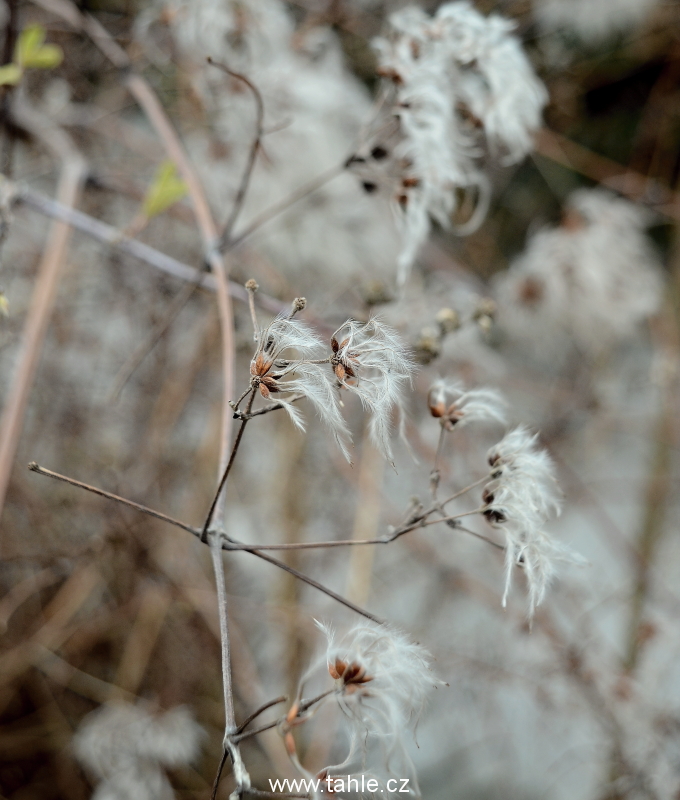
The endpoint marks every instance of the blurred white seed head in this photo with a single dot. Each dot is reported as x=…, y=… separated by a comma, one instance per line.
x=370, y=360
x=590, y=281
x=314, y=110
x=520, y=498
x=127, y=749
x=460, y=86
x=453, y=406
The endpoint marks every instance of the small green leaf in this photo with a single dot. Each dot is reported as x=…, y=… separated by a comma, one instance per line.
x=165, y=190
x=31, y=51
x=48, y=57
x=30, y=40
x=10, y=75
x=4, y=305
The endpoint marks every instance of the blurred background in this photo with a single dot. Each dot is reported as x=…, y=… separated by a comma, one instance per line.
x=565, y=299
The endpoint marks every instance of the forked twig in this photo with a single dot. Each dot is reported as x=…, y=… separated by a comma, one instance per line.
x=304, y=706
x=227, y=544
x=264, y=707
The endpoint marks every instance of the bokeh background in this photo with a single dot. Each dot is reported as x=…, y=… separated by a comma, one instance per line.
x=100, y=604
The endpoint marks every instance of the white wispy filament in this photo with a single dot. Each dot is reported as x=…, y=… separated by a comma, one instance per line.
x=382, y=679
x=454, y=406
x=462, y=85
x=290, y=360
x=371, y=360
x=520, y=498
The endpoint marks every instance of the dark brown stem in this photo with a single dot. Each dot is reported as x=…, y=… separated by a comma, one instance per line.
x=226, y=543
x=216, y=782
x=230, y=464
x=260, y=710
x=304, y=706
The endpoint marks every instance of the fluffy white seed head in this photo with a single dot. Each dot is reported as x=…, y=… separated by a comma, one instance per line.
x=382, y=680
x=520, y=498
x=462, y=85
x=282, y=366
x=455, y=406
x=371, y=360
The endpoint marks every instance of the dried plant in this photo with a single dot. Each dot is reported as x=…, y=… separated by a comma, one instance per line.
x=390, y=164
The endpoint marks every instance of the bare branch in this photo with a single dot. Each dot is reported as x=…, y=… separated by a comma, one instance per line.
x=227, y=544
x=283, y=205
x=264, y=707
x=252, y=155
x=227, y=470
x=109, y=235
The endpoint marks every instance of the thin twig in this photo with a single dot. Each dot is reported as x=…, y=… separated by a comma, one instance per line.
x=283, y=205
x=252, y=155
x=218, y=775
x=227, y=470
x=113, y=237
x=305, y=705
x=435, y=474
x=227, y=544
x=110, y=496
x=481, y=536
x=260, y=411
x=264, y=707
x=464, y=491
x=232, y=545
x=306, y=579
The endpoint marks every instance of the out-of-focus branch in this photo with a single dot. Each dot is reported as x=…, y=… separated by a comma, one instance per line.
x=109, y=235
x=283, y=205
x=146, y=98
x=658, y=493
x=252, y=155
x=72, y=175
x=633, y=185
